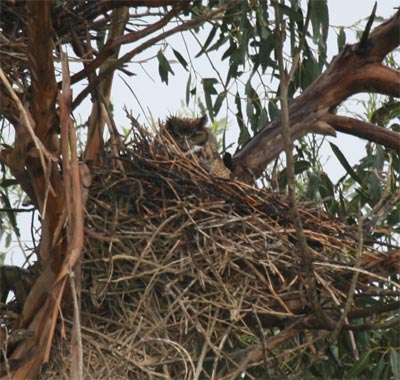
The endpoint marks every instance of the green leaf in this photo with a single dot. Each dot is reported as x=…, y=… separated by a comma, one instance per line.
x=387, y=112
x=319, y=19
x=11, y=215
x=341, y=39
x=221, y=40
x=310, y=70
x=320, y=26
x=293, y=14
x=359, y=366
x=208, y=87
x=264, y=57
x=180, y=58
x=100, y=39
x=273, y=109
x=218, y=103
x=299, y=167
x=208, y=84
x=342, y=159
x=228, y=53
x=244, y=135
x=232, y=72
x=188, y=84
x=8, y=240
x=377, y=372
x=210, y=37
x=374, y=188
x=395, y=362
x=326, y=186
x=164, y=67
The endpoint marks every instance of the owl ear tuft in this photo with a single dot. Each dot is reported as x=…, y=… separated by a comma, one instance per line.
x=201, y=122
x=171, y=123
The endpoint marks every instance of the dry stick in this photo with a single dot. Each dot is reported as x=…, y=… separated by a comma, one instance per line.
x=75, y=219
x=350, y=294
x=77, y=322
x=285, y=80
x=363, y=271
x=263, y=345
x=116, y=142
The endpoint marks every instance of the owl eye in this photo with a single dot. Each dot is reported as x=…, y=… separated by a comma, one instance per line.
x=198, y=137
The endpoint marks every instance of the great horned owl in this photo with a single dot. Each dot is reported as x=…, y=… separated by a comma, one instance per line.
x=193, y=137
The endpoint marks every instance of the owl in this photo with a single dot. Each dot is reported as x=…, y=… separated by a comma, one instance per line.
x=194, y=138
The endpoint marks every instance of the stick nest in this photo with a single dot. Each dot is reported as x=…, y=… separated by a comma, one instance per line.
x=189, y=276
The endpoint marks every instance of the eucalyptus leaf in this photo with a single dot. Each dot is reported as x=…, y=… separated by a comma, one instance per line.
x=180, y=58
x=342, y=159
x=163, y=67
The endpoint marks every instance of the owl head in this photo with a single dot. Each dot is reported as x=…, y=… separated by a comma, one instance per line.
x=188, y=132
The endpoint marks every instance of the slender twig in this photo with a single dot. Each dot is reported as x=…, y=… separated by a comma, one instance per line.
x=77, y=322
x=372, y=326
x=285, y=128
x=10, y=209
x=150, y=43
x=350, y=294
x=364, y=38
x=263, y=345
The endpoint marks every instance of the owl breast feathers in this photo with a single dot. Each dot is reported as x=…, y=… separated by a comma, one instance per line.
x=193, y=137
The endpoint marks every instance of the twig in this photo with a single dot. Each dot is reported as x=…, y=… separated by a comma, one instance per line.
x=363, y=45
x=285, y=128
x=150, y=43
x=350, y=294
x=77, y=323
x=10, y=209
x=351, y=268
x=263, y=345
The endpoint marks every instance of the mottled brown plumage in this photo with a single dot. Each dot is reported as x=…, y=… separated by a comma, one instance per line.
x=193, y=137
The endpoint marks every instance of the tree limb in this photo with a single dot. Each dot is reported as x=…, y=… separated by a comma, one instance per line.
x=365, y=130
x=359, y=71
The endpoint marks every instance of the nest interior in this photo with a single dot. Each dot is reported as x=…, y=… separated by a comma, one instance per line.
x=190, y=276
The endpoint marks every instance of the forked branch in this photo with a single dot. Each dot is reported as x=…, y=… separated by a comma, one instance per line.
x=360, y=69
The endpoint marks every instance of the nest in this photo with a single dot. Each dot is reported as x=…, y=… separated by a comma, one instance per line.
x=189, y=276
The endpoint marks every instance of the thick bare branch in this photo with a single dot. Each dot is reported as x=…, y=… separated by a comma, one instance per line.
x=95, y=142
x=379, y=78
x=368, y=131
x=385, y=38
x=44, y=89
x=359, y=70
